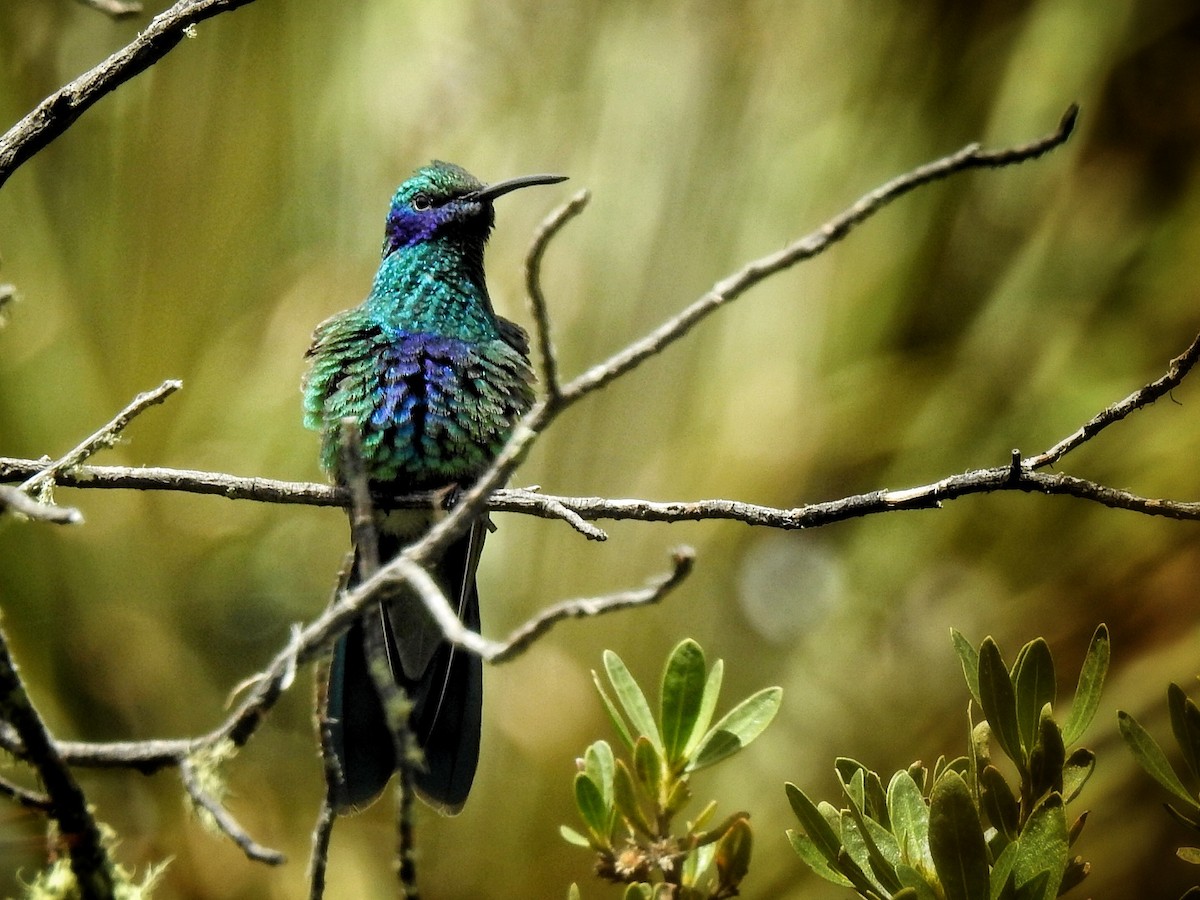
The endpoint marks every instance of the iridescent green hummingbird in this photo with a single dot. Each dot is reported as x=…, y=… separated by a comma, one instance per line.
x=434, y=382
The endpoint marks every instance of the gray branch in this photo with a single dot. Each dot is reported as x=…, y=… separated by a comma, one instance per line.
x=60, y=110
x=67, y=805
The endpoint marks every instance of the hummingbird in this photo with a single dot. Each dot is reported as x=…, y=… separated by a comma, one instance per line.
x=433, y=381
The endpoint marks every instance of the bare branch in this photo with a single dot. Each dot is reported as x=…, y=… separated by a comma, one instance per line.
x=105, y=437
x=579, y=511
x=90, y=862
x=1176, y=372
x=546, y=232
x=520, y=640
x=60, y=110
x=20, y=502
x=732, y=287
x=222, y=818
x=115, y=9
x=25, y=797
x=231, y=487
x=319, y=855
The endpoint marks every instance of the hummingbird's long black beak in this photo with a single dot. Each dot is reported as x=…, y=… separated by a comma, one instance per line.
x=492, y=191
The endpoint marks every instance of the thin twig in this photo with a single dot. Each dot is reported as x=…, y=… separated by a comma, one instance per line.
x=733, y=286
x=1177, y=370
x=80, y=834
x=116, y=9
x=231, y=487
x=20, y=502
x=60, y=110
x=519, y=641
x=546, y=232
x=105, y=437
x=223, y=819
x=25, y=797
x=406, y=842
x=319, y=855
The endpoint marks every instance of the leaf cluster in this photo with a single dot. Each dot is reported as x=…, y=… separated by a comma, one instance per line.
x=1185, y=725
x=960, y=831
x=628, y=806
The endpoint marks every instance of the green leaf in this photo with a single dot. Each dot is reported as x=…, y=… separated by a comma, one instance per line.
x=1034, y=888
x=981, y=736
x=1151, y=758
x=1185, y=722
x=998, y=700
x=1078, y=769
x=712, y=690
x=1042, y=848
x=704, y=817
x=1187, y=820
x=846, y=768
x=1076, y=828
x=697, y=863
x=920, y=776
x=883, y=849
x=614, y=715
x=815, y=826
x=573, y=892
x=1087, y=692
x=856, y=790
x=638, y=891
x=916, y=885
x=872, y=799
x=862, y=847
x=596, y=814
x=998, y=802
x=1047, y=757
x=1033, y=681
x=956, y=840
x=910, y=820
x=598, y=766
x=1002, y=871
x=737, y=728
x=1189, y=855
x=812, y=856
x=877, y=801
x=633, y=701
x=856, y=851
x=682, y=696
x=571, y=836
x=968, y=658
x=626, y=800
x=648, y=766
x=733, y=855
x=678, y=796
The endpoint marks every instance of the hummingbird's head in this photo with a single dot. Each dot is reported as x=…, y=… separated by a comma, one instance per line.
x=443, y=200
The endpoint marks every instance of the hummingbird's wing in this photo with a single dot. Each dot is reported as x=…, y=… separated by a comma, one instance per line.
x=444, y=684
x=447, y=696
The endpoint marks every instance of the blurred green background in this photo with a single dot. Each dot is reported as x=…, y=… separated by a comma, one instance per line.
x=197, y=223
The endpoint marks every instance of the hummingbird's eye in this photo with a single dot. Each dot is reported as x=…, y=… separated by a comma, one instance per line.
x=421, y=202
